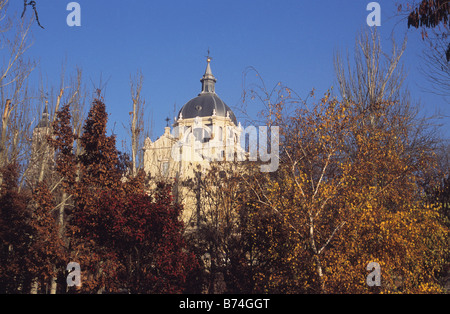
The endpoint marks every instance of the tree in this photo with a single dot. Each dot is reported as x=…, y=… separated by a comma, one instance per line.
x=348, y=190
x=436, y=62
x=16, y=121
x=32, y=251
x=136, y=122
x=429, y=13
x=433, y=18
x=265, y=262
x=121, y=237
x=33, y=5
x=214, y=232
x=373, y=77
x=314, y=142
x=391, y=222
x=15, y=235
x=64, y=139
x=47, y=252
x=342, y=208
x=144, y=238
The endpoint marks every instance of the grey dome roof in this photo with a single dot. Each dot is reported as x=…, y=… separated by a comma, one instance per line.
x=204, y=106
x=207, y=101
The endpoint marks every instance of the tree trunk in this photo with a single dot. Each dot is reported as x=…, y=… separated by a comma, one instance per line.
x=3, y=148
x=315, y=254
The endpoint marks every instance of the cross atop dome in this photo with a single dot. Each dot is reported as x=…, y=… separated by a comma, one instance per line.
x=208, y=80
x=208, y=57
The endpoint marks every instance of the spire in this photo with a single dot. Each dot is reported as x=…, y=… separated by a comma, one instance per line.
x=46, y=108
x=45, y=120
x=208, y=80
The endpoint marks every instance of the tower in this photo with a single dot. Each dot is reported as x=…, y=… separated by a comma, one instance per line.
x=41, y=153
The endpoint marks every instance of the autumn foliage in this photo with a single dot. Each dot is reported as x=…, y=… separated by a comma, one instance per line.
x=430, y=13
x=358, y=182
x=347, y=193
x=125, y=237
x=16, y=239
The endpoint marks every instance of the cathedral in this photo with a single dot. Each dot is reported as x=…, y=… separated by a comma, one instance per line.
x=205, y=131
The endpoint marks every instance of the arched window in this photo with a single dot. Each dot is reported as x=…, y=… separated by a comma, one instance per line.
x=198, y=134
x=220, y=133
x=202, y=135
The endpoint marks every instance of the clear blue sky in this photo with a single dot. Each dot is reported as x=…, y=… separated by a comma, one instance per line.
x=291, y=41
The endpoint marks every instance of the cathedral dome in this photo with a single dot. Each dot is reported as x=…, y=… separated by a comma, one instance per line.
x=207, y=103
